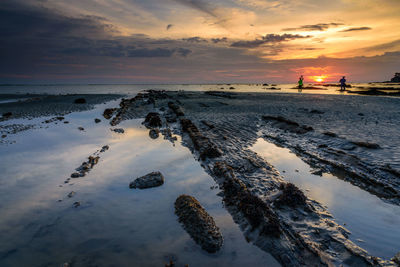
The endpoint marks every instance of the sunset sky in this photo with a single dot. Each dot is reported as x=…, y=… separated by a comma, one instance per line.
x=198, y=41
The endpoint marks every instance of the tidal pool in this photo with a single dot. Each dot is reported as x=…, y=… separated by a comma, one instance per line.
x=114, y=225
x=374, y=224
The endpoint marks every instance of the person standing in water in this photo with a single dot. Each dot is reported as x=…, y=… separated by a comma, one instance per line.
x=342, y=84
x=301, y=82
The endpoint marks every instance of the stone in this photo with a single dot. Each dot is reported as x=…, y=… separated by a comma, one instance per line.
x=71, y=194
x=154, y=133
x=75, y=175
x=118, y=130
x=97, y=120
x=81, y=128
x=152, y=179
x=108, y=112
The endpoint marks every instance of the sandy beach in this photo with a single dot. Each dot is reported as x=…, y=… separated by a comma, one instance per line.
x=291, y=179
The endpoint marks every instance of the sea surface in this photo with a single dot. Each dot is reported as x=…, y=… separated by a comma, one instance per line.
x=135, y=88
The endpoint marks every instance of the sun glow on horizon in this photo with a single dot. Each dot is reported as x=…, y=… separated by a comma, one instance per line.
x=319, y=79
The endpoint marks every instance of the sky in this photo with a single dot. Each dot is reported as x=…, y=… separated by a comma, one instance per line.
x=198, y=41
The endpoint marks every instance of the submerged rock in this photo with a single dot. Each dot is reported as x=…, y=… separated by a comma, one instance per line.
x=152, y=179
x=198, y=223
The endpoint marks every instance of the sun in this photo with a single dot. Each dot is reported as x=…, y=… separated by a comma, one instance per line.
x=319, y=79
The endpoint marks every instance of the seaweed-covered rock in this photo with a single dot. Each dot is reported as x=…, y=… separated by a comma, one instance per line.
x=291, y=196
x=198, y=223
x=201, y=143
x=152, y=179
x=153, y=120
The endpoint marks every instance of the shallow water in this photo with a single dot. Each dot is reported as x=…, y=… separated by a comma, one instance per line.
x=115, y=225
x=132, y=89
x=373, y=223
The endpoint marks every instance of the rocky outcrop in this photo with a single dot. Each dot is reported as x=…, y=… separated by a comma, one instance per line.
x=198, y=223
x=152, y=179
x=256, y=211
x=201, y=143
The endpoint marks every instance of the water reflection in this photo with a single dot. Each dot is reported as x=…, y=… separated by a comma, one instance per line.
x=373, y=223
x=113, y=225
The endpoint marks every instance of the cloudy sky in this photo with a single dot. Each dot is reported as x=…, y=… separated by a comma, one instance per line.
x=197, y=41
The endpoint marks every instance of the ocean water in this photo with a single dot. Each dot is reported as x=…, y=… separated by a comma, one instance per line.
x=131, y=89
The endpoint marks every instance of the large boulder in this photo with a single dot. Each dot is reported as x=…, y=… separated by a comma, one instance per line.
x=152, y=179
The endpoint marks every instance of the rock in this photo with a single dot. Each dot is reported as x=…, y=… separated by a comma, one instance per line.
x=7, y=115
x=92, y=160
x=71, y=194
x=176, y=109
x=291, y=196
x=104, y=148
x=256, y=211
x=108, y=112
x=3, y=136
x=80, y=101
x=118, y=130
x=66, y=122
x=76, y=204
x=152, y=179
x=396, y=258
x=231, y=88
x=153, y=120
x=198, y=223
x=97, y=120
x=154, y=133
x=75, y=175
x=206, y=148
x=81, y=128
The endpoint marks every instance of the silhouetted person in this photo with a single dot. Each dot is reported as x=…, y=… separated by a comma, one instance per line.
x=342, y=84
x=301, y=82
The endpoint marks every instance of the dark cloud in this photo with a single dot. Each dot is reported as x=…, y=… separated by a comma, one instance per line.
x=218, y=40
x=33, y=33
x=169, y=26
x=269, y=38
x=357, y=29
x=314, y=27
x=195, y=39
